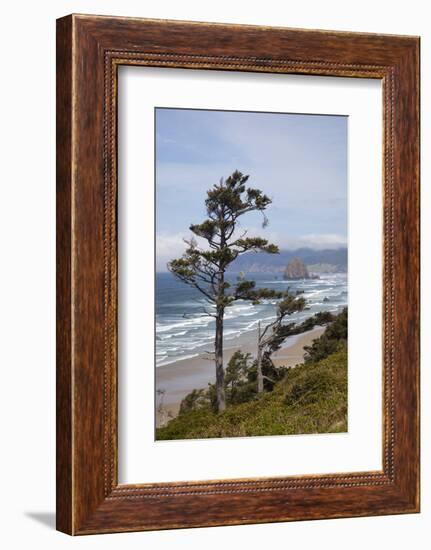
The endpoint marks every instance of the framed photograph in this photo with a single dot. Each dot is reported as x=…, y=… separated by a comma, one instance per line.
x=237, y=274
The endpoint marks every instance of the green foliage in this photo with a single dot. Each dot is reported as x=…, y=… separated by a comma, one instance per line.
x=290, y=304
x=337, y=330
x=246, y=290
x=237, y=369
x=239, y=384
x=312, y=398
x=310, y=388
x=335, y=335
x=282, y=331
x=271, y=373
x=197, y=399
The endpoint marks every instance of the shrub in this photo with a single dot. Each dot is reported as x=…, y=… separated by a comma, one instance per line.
x=329, y=342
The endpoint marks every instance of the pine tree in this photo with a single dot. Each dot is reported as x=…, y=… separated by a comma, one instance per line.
x=205, y=268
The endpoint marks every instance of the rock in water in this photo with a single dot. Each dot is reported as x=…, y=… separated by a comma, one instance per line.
x=296, y=269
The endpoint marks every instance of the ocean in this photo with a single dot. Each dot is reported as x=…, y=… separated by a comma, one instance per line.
x=183, y=330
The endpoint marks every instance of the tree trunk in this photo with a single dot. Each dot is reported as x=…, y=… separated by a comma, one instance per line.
x=259, y=363
x=218, y=345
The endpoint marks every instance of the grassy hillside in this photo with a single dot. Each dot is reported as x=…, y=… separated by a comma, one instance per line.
x=312, y=398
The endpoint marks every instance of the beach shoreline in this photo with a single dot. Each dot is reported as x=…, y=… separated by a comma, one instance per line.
x=179, y=378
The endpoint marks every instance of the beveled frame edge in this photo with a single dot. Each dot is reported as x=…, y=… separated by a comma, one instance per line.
x=89, y=500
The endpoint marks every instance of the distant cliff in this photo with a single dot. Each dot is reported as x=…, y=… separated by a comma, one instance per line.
x=317, y=261
x=296, y=269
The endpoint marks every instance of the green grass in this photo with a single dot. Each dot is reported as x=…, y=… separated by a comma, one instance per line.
x=311, y=399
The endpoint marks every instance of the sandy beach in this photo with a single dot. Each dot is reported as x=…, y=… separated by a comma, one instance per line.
x=181, y=377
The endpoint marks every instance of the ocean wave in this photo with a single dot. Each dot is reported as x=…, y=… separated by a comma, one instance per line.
x=170, y=360
x=182, y=332
x=183, y=323
x=173, y=335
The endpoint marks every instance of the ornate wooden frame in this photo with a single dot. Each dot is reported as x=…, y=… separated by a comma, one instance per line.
x=89, y=51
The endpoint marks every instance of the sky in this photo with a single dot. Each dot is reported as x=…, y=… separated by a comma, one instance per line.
x=300, y=161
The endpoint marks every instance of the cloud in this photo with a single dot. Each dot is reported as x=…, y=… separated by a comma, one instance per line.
x=169, y=247
x=318, y=242
x=314, y=241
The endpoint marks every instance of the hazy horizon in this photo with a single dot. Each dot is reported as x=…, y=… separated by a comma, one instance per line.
x=292, y=251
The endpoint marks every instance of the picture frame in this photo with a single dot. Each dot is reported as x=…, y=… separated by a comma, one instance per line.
x=89, y=51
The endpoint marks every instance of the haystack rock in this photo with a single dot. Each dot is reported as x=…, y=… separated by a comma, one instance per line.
x=296, y=269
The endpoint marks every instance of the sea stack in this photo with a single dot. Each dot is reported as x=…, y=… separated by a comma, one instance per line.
x=296, y=269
